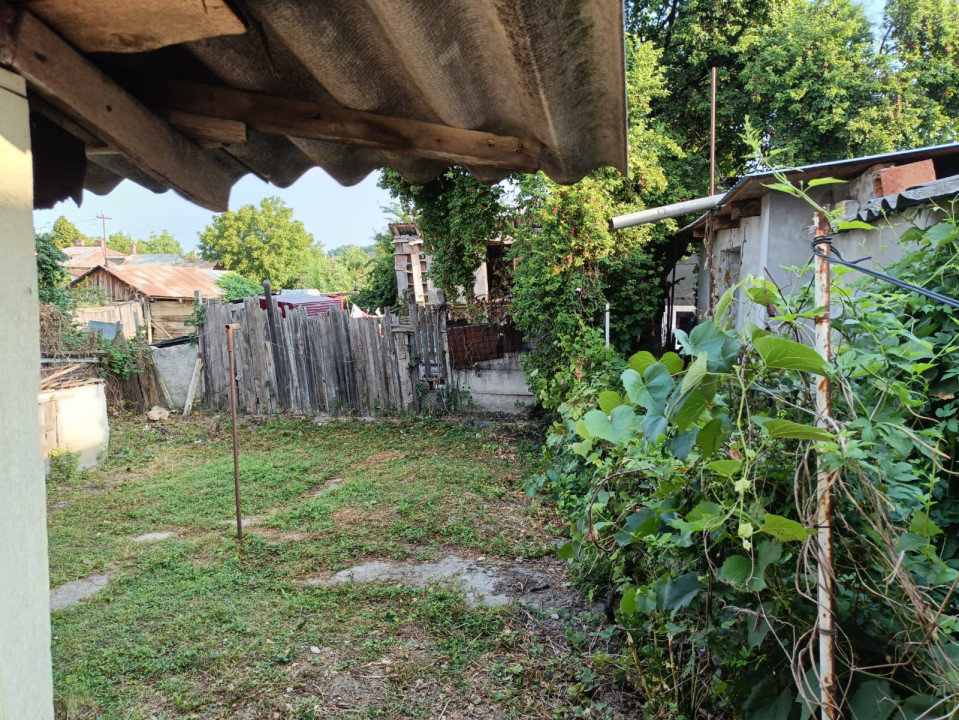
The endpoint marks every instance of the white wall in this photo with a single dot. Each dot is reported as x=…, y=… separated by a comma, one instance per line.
x=80, y=418
x=26, y=685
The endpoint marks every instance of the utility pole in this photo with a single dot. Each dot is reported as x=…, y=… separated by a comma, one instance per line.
x=103, y=241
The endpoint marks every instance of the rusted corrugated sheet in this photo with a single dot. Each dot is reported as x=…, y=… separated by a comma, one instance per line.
x=163, y=282
x=551, y=71
x=88, y=256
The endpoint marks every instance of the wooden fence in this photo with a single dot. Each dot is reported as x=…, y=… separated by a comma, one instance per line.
x=130, y=313
x=322, y=363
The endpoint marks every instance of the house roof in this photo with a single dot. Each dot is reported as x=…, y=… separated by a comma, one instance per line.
x=167, y=259
x=276, y=87
x=88, y=256
x=751, y=187
x=174, y=283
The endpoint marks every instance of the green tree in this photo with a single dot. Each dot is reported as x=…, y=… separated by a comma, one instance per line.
x=238, y=287
x=120, y=241
x=456, y=215
x=51, y=277
x=160, y=244
x=65, y=234
x=262, y=243
x=379, y=287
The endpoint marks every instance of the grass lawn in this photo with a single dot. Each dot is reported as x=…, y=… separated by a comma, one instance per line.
x=198, y=626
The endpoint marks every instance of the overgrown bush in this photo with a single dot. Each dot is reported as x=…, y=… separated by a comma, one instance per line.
x=691, y=495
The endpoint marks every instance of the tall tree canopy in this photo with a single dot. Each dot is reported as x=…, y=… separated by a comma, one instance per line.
x=65, y=234
x=263, y=243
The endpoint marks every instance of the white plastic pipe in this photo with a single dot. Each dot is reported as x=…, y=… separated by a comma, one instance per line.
x=666, y=211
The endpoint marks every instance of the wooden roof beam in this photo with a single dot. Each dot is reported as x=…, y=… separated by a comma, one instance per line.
x=307, y=120
x=71, y=83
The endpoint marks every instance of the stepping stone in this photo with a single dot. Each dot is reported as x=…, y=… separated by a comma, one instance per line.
x=73, y=592
x=154, y=537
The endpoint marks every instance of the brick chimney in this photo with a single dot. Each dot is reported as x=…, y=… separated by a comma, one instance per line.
x=133, y=248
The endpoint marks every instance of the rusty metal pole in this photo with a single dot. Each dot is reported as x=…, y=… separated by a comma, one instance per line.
x=236, y=456
x=825, y=575
x=712, y=190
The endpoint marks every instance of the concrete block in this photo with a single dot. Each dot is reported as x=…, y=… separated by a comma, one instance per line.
x=80, y=421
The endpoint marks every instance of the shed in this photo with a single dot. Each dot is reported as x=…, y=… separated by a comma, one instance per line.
x=166, y=292
x=762, y=232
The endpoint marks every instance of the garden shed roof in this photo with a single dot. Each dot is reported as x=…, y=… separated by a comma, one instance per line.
x=194, y=94
x=164, y=283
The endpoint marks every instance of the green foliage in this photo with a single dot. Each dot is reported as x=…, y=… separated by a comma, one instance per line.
x=120, y=241
x=341, y=270
x=238, y=287
x=457, y=215
x=51, y=277
x=263, y=243
x=160, y=244
x=691, y=494
x=379, y=288
x=63, y=466
x=65, y=234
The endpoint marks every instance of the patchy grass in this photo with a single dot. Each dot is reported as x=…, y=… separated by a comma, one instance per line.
x=198, y=626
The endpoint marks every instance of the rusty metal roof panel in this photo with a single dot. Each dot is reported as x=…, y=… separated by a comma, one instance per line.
x=165, y=282
x=88, y=256
x=548, y=71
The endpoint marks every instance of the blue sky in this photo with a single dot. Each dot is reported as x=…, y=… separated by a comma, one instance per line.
x=334, y=214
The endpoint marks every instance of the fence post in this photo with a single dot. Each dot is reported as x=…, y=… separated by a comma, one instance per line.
x=825, y=479
x=277, y=351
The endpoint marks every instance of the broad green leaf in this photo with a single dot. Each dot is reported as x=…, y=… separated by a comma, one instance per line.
x=764, y=704
x=627, y=606
x=724, y=302
x=922, y=525
x=641, y=360
x=650, y=390
x=778, y=352
x=567, y=552
x=655, y=426
x=874, y=700
x=940, y=232
x=583, y=449
x=695, y=374
x=854, y=225
x=725, y=468
x=682, y=444
x=763, y=293
x=673, y=363
x=582, y=431
x=612, y=427
x=796, y=431
x=737, y=569
x=710, y=437
x=706, y=337
x=911, y=542
x=677, y=593
x=816, y=182
x=917, y=707
x=609, y=399
x=705, y=516
x=784, y=529
x=690, y=410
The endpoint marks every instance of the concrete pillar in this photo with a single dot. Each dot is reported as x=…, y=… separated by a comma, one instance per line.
x=26, y=685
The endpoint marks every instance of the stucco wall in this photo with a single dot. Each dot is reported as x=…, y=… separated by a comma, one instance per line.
x=26, y=683
x=777, y=241
x=175, y=365
x=496, y=385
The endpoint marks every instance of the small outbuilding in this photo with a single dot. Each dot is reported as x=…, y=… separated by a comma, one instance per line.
x=167, y=293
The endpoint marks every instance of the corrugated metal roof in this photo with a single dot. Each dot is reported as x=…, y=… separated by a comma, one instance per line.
x=165, y=282
x=551, y=71
x=167, y=259
x=88, y=256
x=752, y=186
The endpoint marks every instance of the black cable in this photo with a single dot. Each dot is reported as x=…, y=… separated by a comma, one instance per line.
x=836, y=257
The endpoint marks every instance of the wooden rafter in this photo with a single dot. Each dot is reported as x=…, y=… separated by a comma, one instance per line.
x=299, y=119
x=73, y=85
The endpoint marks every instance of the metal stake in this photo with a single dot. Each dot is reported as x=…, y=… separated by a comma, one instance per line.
x=236, y=457
x=826, y=579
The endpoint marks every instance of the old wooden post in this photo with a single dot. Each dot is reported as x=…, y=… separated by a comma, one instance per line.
x=236, y=456
x=825, y=479
x=277, y=350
